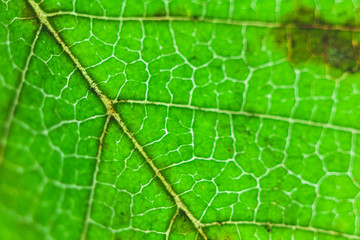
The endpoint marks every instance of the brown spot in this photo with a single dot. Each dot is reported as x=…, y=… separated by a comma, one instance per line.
x=306, y=38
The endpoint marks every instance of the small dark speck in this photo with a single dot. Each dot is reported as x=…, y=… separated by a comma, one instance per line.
x=194, y=18
x=268, y=228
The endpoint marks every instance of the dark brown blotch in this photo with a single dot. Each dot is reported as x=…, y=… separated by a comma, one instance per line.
x=304, y=37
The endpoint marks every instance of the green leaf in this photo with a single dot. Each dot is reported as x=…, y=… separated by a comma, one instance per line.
x=183, y=119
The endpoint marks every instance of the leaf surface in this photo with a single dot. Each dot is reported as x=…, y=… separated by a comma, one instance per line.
x=179, y=119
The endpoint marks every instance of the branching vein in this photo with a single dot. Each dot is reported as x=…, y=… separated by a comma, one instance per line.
x=109, y=106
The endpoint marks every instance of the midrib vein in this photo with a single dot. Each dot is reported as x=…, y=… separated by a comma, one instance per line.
x=213, y=20
x=111, y=111
x=248, y=114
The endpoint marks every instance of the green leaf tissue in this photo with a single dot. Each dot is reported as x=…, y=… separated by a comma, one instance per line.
x=179, y=119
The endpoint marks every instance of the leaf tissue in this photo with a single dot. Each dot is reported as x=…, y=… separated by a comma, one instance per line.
x=179, y=119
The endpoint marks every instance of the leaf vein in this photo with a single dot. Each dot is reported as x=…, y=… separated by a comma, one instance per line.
x=109, y=106
x=212, y=20
x=249, y=114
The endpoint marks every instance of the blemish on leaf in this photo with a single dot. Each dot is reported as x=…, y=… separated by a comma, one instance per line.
x=267, y=228
x=91, y=89
x=194, y=18
x=27, y=11
x=307, y=39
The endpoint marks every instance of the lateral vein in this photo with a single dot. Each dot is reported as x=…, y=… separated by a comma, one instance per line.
x=321, y=26
x=282, y=225
x=248, y=114
x=10, y=118
x=93, y=184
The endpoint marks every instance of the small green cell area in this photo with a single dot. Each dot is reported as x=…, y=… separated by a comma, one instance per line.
x=356, y=159
x=335, y=213
x=260, y=143
x=317, y=104
x=16, y=194
x=127, y=193
x=9, y=223
x=258, y=44
x=97, y=231
x=322, y=151
x=213, y=136
x=346, y=110
x=338, y=192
